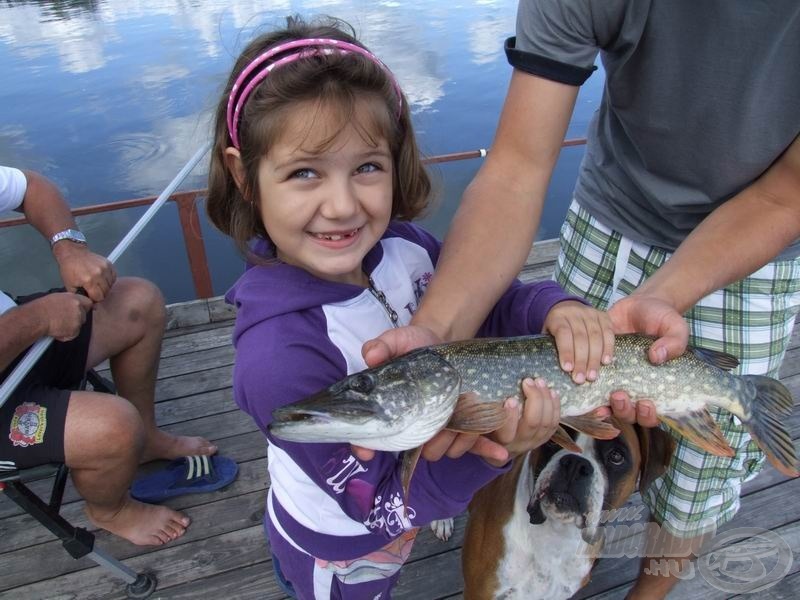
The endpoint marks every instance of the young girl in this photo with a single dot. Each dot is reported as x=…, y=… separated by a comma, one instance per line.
x=315, y=160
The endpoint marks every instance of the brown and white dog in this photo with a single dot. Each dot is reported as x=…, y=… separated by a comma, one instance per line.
x=535, y=531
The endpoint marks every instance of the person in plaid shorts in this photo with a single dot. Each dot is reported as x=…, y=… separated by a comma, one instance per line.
x=686, y=209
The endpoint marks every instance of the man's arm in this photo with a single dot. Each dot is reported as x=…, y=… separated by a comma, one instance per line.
x=492, y=232
x=48, y=212
x=734, y=241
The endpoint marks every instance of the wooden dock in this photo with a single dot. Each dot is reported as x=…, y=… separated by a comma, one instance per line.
x=224, y=554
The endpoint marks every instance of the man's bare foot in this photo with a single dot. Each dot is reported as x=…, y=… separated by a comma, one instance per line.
x=166, y=445
x=142, y=524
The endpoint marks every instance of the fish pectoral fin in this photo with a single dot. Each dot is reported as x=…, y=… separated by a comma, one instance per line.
x=407, y=466
x=562, y=438
x=700, y=428
x=592, y=424
x=475, y=415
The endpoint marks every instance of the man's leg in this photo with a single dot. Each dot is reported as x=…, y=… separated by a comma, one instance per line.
x=103, y=441
x=128, y=328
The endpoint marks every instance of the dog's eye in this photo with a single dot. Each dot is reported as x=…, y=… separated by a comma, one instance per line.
x=615, y=457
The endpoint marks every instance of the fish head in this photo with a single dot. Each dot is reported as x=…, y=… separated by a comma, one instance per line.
x=396, y=406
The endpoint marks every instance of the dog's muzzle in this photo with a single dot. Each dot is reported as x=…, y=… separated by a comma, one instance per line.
x=568, y=489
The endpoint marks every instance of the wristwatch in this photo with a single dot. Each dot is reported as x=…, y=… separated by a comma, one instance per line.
x=73, y=235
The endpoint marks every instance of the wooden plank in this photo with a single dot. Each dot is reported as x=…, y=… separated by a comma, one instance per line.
x=786, y=589
x=697, y=588
x=194, y=383
x=172, y=565
x=21, y=531
x=171, y=333
x=543, y=252
x=182, y=314
x=240, y=512
x=220, y=311
x=253, y=582
x=757, y=510
x=438, y=577
x=195, y=406
x=203, y=339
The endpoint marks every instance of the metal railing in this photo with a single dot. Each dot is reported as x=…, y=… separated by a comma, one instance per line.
x=190, y=220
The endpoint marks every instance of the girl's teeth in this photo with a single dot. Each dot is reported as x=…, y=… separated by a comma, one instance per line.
x=333, y=237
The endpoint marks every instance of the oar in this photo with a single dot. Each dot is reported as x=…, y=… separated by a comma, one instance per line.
x=36, y=351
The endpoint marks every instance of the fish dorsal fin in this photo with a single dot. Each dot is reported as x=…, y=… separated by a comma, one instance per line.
x=472, y=414
x=699, y=427
x=723, y=360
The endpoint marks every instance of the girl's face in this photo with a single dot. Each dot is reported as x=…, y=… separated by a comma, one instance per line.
x=325, y=209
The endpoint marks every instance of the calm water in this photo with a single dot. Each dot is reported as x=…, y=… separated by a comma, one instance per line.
x=110, y=98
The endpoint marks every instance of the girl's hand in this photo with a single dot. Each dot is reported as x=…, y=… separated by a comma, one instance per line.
x=584, y=338
x=537, y=419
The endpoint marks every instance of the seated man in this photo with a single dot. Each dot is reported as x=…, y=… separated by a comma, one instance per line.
x=101, y=437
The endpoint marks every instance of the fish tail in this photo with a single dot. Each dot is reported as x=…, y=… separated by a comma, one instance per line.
x=764, y=416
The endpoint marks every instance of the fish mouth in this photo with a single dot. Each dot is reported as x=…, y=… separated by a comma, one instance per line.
x=325, y=408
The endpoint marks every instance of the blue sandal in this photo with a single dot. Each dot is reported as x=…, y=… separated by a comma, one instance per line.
x=189, y=475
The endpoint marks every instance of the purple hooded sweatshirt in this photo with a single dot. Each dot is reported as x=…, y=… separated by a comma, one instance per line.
x=296, y=334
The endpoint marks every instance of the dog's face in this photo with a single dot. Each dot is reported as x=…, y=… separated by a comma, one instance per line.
x=575, y=488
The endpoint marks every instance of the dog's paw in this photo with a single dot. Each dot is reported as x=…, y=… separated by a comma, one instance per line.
x=442, y=529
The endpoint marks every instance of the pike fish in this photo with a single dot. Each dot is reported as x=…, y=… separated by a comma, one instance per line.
x=462, y=385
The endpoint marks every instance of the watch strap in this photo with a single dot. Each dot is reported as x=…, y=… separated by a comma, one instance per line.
x=73, y=235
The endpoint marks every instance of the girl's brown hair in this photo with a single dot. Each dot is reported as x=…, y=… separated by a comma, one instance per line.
x=333, y=80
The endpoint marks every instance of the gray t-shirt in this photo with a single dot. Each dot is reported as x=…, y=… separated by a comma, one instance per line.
x=701, y=97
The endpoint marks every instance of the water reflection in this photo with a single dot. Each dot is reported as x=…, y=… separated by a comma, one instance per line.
x=110, y=98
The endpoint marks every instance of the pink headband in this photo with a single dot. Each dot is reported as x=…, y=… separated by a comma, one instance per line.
x=309, y=47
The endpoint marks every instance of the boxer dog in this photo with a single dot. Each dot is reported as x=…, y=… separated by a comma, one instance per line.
x=535, y=531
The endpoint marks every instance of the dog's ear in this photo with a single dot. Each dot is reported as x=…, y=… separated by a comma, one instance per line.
x=656, y=446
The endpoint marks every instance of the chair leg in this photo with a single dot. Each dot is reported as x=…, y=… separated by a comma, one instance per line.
x=78, y=541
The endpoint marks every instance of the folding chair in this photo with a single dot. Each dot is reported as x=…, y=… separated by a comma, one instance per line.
x=76, y=540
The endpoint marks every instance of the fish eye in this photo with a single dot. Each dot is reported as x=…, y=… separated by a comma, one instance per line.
x=615, y=457
x=362, y=383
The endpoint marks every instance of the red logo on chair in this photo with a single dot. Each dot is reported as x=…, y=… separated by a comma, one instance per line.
x=28, y=424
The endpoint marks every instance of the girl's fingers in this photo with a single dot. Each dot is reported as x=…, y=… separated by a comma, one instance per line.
x=490, y=451
x=363, y=454
x=436, y=447
x=566, y=348
x=462, y=443
x=508, y=431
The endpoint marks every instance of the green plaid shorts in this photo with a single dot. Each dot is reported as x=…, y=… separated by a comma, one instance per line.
x=751, y=319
